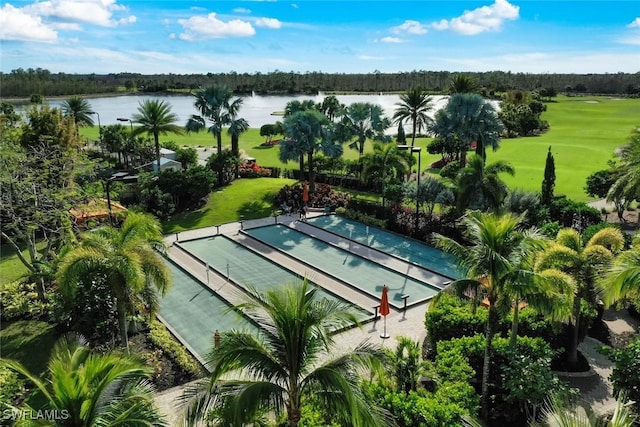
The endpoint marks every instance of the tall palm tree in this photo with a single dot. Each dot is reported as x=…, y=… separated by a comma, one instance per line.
x=584, y=262
x=493, y=261
x=236, y=128
x=80, y=110
x=361, y=121
x=291, y=358
x=414, y=105
x=87, y=389
x=627, y=186
x=155, y=118
x=215, y=105
x=129, y=258
x=479, y=186
x=308, y=132
x=468, y=118
x=623, y=278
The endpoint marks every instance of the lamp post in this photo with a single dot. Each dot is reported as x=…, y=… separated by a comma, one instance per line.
x=118, y=176
x=419, y=151
x=124, y=119
x=99, y=126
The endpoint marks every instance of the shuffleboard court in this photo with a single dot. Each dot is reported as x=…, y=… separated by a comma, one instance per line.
x=358, y=272
x=195, y=312
x=397, y=245
x=245, y=267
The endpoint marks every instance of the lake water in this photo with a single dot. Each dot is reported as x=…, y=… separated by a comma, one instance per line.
x=257, y=110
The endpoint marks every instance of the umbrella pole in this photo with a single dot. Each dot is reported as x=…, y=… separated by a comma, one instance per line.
x=384, y=334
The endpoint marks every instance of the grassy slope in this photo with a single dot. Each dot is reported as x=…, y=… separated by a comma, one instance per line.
x=251, y=198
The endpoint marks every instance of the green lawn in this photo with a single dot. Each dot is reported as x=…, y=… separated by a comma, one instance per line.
x=11, y=268
x=28, y=341
x=584, y=134
x=251, y=198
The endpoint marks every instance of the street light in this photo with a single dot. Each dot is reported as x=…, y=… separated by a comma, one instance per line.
x=124, y=119
x=99, y=126
x=419, y=151
x=118, y=176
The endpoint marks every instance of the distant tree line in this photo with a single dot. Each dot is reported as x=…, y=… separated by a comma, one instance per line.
x=24, y=83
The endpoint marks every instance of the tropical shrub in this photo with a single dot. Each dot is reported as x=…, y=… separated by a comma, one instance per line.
x=11, y=387
x=450, y=170
x=322, y=197
x=161, y=337
x=420, y=409
x=570, y=213
x=530, y=359
x=625, y=375
x=19, y=300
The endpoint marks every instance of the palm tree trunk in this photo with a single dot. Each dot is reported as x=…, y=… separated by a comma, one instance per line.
x=302, y=167
x=156, y=139
x=122, y=323
x=236, y=152
x=220, y=163
x=312, y=184
x=572, y=351
x=486, y=365
x=413, y=133
x=514, y=325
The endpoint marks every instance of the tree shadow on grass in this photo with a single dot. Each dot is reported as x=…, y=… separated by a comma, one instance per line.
x=184, y=221
x=257, y=209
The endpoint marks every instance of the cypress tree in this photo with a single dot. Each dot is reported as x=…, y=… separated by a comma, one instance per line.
x=549, y=181
x=402, y=138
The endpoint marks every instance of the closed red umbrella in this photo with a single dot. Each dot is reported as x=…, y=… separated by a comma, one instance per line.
x=305, y=193
x=384, y=309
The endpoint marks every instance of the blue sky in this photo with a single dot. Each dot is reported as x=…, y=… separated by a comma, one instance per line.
x=110, y=36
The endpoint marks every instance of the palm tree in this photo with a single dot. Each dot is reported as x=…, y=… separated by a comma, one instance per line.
x=306, y=132
x=80, y=110
x=87, y=389
x=627, y=186
x=215, y=104
x=331, y=107
x=463, y=83
x=155, y=118
x=385, y=161
x=129, y=259
x=479, y=186
x=414, y=105
x=583, y=262
x=468, y=118
x=361, y=121
x=558, y=413
x=237, y=128
x=493, y=261
x=292, y=358
x=623, y=278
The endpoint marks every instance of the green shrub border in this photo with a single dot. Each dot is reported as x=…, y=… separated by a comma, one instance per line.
x=160, y=336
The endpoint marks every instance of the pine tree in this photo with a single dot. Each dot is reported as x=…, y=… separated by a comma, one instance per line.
x=549, y=181
x=402, y=137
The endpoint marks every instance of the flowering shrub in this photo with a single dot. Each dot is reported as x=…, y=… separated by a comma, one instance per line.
x=271, y=143
x=323, y=196
x=252, y=170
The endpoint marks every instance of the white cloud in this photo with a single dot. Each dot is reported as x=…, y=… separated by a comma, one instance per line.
x=97, y=12
x=391, y=40
x=293, y=5
x=17, y=24
x=485, y=18
x=635, y=23
x=172, y=36
x=268, y=23
x=131, y=19
x=66, y=26
x=410, y=27
x=633, y=40
x=210, y=27
x=241, y=10
x=371, y=58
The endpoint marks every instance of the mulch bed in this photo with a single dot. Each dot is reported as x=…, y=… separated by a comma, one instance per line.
x=167, y=373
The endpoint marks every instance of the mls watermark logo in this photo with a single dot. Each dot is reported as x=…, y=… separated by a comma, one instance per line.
x=32, y=415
